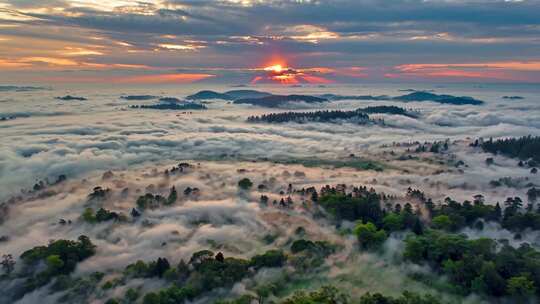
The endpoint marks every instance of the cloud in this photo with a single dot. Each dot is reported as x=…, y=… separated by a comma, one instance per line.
x=245, y=34
x=504, y=70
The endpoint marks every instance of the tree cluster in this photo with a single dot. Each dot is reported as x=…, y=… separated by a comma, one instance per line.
x=477, y=265
x=316, y=116
x=386, y=110
x=171, y=106
x=204, y=272
x=151, y=201
x=60, y=258
x=331, y=295
x=526, y=148
x=102, y=215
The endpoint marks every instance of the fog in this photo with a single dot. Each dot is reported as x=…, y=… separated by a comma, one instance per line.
x=84, y=139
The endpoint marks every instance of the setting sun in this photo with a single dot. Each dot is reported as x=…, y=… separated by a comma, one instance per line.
x=274, y=68
x=281, y=73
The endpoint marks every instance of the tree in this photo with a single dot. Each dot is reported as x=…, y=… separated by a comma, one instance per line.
x=494, y=283
x=406, y=298
x=245, y=299
x=520, y=286
x=368, y=235
x=103, y=215
x=131, y=295
x=325, y=295
x=314, y=196
x=271, y=258
x=173, y=196
x=88, y=215
x=135, y=213
x=245, y=184
x=162, y=265
x=219, y=257
x=497, y=212
x=151, y=298
x=8, y=264
x=393, y=222
x=54, y=263
x=418, y=227
x=442, y=222
x=201, y=256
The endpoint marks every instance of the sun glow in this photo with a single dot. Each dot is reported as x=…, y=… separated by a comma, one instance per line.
x=274, y=68
x=283, y=74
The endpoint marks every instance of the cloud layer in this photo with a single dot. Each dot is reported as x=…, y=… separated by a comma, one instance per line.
x=457, y=38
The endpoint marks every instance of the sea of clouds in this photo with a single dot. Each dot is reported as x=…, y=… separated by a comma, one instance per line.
x=83, y=139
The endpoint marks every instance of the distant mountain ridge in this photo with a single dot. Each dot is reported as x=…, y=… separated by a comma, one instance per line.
x=447, y=99
x=70, y=97
x=274, y=101
x=229, y=95
x=258, y=98
x=138, y=97
x=266, y=99
x=414, y=96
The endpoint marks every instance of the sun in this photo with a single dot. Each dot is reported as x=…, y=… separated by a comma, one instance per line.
x=277, y=68
x=277, y=71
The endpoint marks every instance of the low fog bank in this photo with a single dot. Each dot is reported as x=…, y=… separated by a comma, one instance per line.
x=52, y=162
x=218, y=216
x=103, y=133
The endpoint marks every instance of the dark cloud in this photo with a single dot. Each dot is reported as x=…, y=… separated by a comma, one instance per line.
x=343, y=16
x=312, y=33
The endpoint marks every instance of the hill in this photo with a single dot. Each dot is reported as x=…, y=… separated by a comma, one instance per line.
x=275, y=101
x=229, y=95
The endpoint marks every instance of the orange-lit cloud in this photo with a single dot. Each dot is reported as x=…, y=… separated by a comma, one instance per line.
x=505, y=65
x=138, y=79
x=316, y=79
x=499, y=70
x=55, y=63
x=49, y=61
x=312, y=33
x=181, y=47
x=278, y=72
x=163, y=78
x=354, y=72
x=70, y=51
x=8, y=64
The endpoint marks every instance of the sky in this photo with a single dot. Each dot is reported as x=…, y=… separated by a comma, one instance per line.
x=272, y=41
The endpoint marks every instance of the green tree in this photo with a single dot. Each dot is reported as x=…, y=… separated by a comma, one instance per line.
x=271, y=258
x=245, y=184
x=131, y=295
x=368, y=235
x=325, y=295
x=54, y=263
x=393, y=222
x=442, y=222
x=491, y=279
x=406, y=298
x=418, y=227
x=88, y=215
x=173, y=196
x=151, y=298
x=520, y=286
